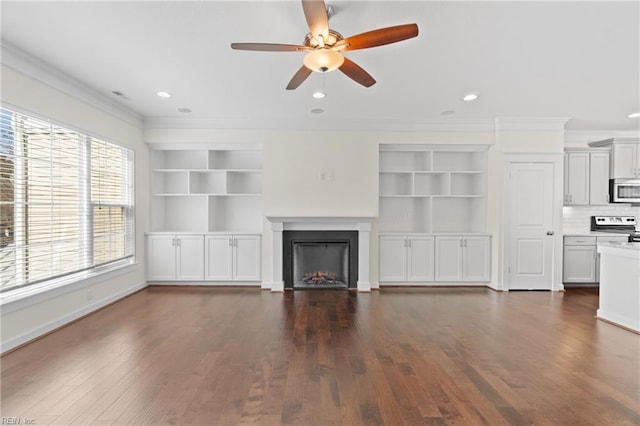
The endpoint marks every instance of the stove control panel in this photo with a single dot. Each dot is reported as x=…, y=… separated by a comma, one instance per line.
x=614, y=220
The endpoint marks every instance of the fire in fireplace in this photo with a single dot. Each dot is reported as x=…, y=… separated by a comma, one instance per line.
x=320, y=259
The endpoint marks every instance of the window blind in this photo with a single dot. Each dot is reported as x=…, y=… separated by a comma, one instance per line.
x=65, y=201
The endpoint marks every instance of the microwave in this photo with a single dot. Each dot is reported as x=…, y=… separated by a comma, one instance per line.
x=624, y=190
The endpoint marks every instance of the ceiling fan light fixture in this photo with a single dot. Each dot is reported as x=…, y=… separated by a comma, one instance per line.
x=323, y=60
x=634, y=115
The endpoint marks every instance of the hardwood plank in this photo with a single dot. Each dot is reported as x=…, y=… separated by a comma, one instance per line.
x=227, y=356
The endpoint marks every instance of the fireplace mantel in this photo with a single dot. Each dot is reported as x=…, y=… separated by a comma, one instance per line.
x=321, y=223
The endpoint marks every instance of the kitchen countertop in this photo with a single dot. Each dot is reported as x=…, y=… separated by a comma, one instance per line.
x=620, y=249
x=573, y=233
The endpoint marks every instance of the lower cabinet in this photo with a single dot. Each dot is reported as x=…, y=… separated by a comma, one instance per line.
x=232, y=257
x=203, y=257
x=175, y=257
x=407, y=258
x=463, y=258
x=581, y=262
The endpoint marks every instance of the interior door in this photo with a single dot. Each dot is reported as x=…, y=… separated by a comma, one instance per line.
x=531, y=198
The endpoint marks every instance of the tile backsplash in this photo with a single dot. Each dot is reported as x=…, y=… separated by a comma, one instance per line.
x=578, y=218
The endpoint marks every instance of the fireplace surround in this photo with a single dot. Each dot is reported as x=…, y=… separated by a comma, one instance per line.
x=320, y=259
x=279, y=224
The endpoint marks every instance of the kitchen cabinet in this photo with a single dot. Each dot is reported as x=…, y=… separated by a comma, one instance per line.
x=625, y=160
x=586, y=178
x=233, y=257
x=175, y=257
x=576, y=182
x=581, y=262
x=598, y=178
x=625, y=156
x=406, y=258
x=462, y=258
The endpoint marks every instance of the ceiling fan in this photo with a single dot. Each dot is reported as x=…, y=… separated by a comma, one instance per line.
x=324, y=46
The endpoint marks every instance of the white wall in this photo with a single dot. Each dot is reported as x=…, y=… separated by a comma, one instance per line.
x=293, y=161
x=512, y=141
x=30, y=317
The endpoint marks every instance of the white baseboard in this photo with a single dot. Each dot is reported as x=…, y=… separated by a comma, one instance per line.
x=43, y=329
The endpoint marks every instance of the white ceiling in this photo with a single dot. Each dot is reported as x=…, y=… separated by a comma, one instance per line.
x=525, y=59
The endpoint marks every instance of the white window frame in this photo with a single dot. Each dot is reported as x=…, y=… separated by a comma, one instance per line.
x=87, y=274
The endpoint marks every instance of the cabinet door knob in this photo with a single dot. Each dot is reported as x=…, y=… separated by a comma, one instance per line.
x=550, y=232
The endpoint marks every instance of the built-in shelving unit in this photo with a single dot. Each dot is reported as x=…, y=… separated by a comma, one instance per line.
x=206, y=190
x=432, y=188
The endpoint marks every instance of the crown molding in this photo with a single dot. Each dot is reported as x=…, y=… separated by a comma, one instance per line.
x=37, y=69
x=531, y=124
x=573, y=138
x=320, y=124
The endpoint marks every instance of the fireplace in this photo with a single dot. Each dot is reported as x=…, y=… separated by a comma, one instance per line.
x=320, y=259
x=359, y=257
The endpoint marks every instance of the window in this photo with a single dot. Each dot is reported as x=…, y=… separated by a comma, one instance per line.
x=65, y=201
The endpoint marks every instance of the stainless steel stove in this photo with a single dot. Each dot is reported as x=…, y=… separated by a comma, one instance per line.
x=616, y=225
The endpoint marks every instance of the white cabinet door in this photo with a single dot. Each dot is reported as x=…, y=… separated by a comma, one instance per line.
x=625, y=161
x=420, y=259
x=246, y=258
x=476, y=259
x=577, y=178
x=219, y=257
x=393, y=259
x=448, y=259
x=161, y=258
x=189, y=258
x=599, y=178
x=579, y=264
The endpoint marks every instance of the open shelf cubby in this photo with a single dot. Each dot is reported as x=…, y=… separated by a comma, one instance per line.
x=206, y=190
x=432, y=188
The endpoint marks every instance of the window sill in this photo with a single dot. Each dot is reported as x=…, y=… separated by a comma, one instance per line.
x=13, y=300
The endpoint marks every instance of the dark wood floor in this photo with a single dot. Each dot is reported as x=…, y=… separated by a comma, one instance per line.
x=231, y=356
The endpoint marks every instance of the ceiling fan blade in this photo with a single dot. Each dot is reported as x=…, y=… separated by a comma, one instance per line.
x=299, y=77
x=268, y=47
x=316, y=13
x=356, y=73
x=380, y=37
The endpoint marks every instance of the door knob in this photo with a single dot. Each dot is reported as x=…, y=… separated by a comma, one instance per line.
x=550, y=232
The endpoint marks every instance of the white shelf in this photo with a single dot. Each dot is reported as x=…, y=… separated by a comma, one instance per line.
x=432, y=188
x=206, y=190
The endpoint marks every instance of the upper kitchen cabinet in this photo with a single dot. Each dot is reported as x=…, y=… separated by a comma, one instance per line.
x=625, y=157
x=625, y=160
x=586, y=178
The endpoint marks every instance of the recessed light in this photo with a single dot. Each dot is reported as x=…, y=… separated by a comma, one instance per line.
x=317, y=111
x=448, y=112
x=117, y=93
x=185, y=110
x=319, y=94
x=164, y=94
x=470, y=97
x=634, y=115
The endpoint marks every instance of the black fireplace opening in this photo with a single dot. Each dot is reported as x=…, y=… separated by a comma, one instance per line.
x=320, y=259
